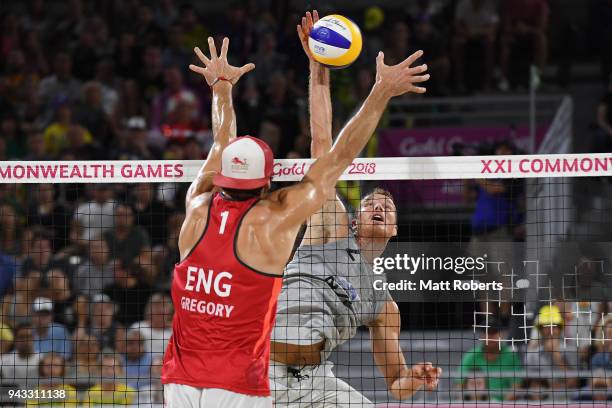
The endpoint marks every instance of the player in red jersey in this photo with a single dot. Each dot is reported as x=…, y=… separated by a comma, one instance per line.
x=237, y=237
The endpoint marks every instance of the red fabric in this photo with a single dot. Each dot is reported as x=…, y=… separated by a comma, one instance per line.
x=224, y=342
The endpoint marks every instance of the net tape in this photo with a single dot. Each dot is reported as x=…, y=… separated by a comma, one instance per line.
x=289, y=170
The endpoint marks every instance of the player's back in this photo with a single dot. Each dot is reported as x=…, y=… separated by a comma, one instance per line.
x=224, y=310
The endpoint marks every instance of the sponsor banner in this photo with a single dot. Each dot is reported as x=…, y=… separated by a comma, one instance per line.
x=379, y=168
x=439, y=141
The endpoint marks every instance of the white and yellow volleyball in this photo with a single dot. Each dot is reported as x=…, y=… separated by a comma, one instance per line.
x=335, y=41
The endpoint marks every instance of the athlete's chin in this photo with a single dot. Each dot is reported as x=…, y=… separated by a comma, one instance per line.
x=376, y=231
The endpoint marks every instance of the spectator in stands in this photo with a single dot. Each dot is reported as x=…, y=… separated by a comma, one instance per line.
x=153, y=393
x=129, y=292
x=168, y=255
x=126, y=240
x=112, y=389
x=548, y=353
x=603, y=358
x=84, y=365
x=36, y=147
x=93, y=275
x=184, y=123
x=427, y=37
x=12, y=137
x=6, y=337
x=109, y=85
x=497, y=219
x=532, y=389
x=60, y=85
x=175, y=54
x=194, y=31
x=84, y=55
x=91, y=115
x=96, y=216
x=56, y=134
x=134, y=141
x=492, y=355
x=44, y=210
x=282, y=109
x=51, y=371
x=156, y=328
x=136, y=360
x=476, y=23
x=17, y=306
x=146, y=29
x=126, y=56
x=267, y=59
x=603, y=136
x=524, y=25
x=475, y=388
x=9, y=230
x=102, y=323
x=150, y=79
x=49, y=336
x=21, y=365
x=166, y=101
x=40, y=255
x=598, y=388
x=21, y=80
x=150, y=213
x=8, y=270
x=79, y=148
x=60, y=292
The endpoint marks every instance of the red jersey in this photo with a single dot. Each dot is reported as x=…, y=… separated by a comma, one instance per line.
x=224, y=311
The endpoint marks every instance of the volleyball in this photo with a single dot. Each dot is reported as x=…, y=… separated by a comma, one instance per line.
x=335, y=41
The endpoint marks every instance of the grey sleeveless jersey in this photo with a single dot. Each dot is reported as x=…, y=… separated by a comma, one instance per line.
x=327, y=294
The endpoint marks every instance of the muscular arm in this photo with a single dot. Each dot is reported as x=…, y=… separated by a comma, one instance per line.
x=331, y=222
x=402, y=381
x=224, y=129
x=298, y=202
x=388, y=355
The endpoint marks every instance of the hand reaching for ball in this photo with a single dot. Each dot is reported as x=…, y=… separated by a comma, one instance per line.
x=399, y=79
x=304, y=29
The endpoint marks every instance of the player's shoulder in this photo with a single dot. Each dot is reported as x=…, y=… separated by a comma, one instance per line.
x=198, y=206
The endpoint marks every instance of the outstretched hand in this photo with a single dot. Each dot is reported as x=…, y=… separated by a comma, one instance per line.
x=401, y=78
x=217, y=66
x=304, y=29
x=421, y=375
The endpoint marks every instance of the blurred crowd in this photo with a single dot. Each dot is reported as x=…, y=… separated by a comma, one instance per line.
x=85, y=304
x=110, y=80
x=568, y=357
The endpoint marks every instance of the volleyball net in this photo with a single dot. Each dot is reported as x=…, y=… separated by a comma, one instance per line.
x=88, y=250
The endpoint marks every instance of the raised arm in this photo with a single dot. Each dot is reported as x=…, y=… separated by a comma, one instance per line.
x=300, y=201
x=221, y=77
x=331, y=222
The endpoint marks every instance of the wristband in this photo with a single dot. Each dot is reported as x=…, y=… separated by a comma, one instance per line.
x=219, y=79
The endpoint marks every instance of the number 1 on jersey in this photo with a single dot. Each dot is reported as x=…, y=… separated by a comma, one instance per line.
x=224, y=216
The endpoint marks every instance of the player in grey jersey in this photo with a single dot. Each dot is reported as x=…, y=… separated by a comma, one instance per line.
x=328, y=292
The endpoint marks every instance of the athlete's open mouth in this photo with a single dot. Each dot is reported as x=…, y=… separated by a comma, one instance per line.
x=378, y=218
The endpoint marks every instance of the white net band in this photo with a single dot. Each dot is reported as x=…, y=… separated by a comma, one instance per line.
x=286, y=170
